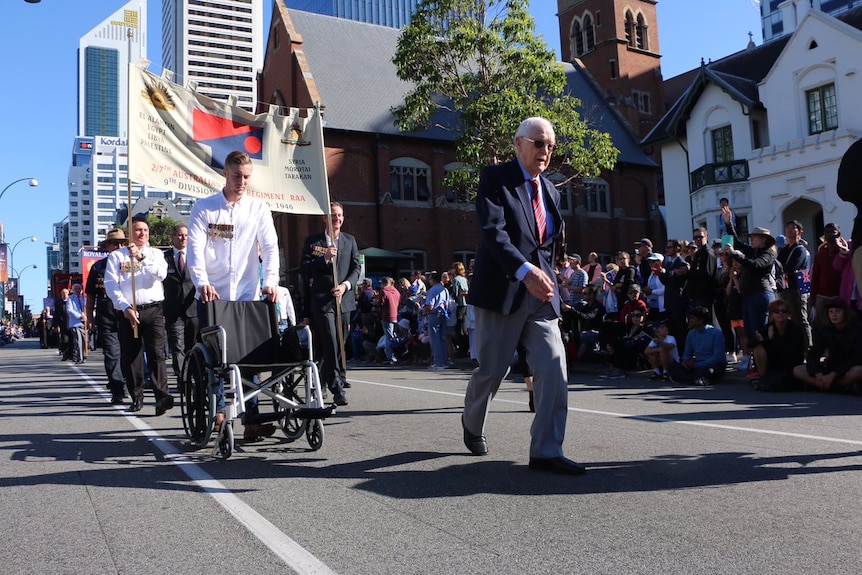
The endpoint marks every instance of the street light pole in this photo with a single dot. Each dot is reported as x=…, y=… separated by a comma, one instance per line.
x=12, y=253
x=32, y=183
x=16, y=313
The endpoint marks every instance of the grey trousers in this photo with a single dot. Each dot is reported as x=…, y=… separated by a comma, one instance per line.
x=536, y=327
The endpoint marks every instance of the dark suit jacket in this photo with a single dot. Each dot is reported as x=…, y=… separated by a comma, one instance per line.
x=179, y=290
x=509, y=238
x=317, y=274
x=674, y=285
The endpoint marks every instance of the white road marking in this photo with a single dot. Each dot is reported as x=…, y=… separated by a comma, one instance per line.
x=652, y=419
x=292, y=553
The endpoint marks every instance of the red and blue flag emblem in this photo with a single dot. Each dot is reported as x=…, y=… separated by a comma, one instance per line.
x=224, y=135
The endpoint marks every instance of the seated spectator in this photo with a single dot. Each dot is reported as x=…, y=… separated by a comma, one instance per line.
x=779, y=347
x=623, y=353
x=840, y=344
x=590, y=312
x=661, y=352
x=614, y=325
x=703, y=360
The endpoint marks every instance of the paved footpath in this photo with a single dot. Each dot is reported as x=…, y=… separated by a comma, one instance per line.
x=681, y=480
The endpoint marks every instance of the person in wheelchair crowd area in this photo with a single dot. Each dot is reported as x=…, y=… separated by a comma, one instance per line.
x=779, y=346
x=101, y=313
x=835, y=359
x=703, y=359
x=142, y=321
x=181, y=308
x=233, y=256
x=326, y=304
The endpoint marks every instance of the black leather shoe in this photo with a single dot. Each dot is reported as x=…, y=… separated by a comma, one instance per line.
x=475, y=443
x=117, y=398
x=346, y=384
x=557, y=465
x=164, y=404
x=137, y=405
x=339, y=398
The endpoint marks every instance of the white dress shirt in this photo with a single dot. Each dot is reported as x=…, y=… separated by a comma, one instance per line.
x=222, y=249
x=149, y=274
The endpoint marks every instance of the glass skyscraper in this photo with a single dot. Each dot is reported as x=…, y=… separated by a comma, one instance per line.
x=773, y=22
x=392, y=13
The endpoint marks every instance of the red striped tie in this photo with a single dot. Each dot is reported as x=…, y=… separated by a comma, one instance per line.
x=538, y=209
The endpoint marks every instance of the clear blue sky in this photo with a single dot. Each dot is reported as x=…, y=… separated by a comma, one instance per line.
x=38, y=104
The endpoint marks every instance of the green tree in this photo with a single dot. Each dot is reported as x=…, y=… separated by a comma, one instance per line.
x=480, y=63
x=161, y=230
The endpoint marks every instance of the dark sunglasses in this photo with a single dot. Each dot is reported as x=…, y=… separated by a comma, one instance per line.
x=698, y=237
x=782, y=311
x=541, y=144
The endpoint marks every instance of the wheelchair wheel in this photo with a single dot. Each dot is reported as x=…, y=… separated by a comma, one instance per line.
x=314, y=434
x=292, y=427
x=195, y=399
x=225, y=444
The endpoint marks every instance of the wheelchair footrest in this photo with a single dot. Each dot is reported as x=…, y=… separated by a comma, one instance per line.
x=301, y=413
x=314, y=412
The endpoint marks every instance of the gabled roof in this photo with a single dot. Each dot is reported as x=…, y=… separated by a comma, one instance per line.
x=351, y=63
x=352, y=66
x=738, y=75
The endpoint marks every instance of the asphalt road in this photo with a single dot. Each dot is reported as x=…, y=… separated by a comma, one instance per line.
x=681, y=480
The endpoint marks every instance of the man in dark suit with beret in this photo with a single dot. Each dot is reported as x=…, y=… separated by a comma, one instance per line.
x=180, y=306
x=516, y=298
x=323, y=293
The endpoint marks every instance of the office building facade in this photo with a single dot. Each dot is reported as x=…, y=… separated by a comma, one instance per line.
x=780, y=17
x=215, y=46
x=391, y=13
x=104, y=54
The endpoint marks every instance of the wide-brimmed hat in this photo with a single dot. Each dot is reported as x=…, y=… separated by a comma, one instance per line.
x=115, y=235
x=765, y=233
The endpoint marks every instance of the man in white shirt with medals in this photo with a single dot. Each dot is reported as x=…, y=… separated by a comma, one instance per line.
x=142, y=311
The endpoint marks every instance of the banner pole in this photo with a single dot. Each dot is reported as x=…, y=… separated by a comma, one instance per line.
x=129, y=185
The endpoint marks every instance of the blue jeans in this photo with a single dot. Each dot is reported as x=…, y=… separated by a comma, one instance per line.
x=755, y=311
x=437, y=338
x=388, y=336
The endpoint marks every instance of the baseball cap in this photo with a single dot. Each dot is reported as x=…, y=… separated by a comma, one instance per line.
x=644, y=242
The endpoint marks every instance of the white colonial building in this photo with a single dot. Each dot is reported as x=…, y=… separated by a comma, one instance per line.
x=767, y=128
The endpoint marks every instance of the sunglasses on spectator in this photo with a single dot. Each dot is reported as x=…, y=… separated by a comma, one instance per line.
x=698, y=237
x=541, y=144
x=781, y=311
x=637, y=315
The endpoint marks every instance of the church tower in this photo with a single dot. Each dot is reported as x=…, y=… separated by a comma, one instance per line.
x=617, y=42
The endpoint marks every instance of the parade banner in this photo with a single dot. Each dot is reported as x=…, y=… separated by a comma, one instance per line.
x=179, y=139
x=88, y=258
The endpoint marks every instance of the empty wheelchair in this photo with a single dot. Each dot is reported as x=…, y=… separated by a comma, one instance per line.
x=240, y=357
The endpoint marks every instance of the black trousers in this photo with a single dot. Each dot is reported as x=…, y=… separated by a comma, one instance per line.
x=324, y=326
x=151, y=336
x=182, y=335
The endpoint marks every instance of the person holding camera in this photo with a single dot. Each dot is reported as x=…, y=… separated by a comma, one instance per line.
x=825, y=278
